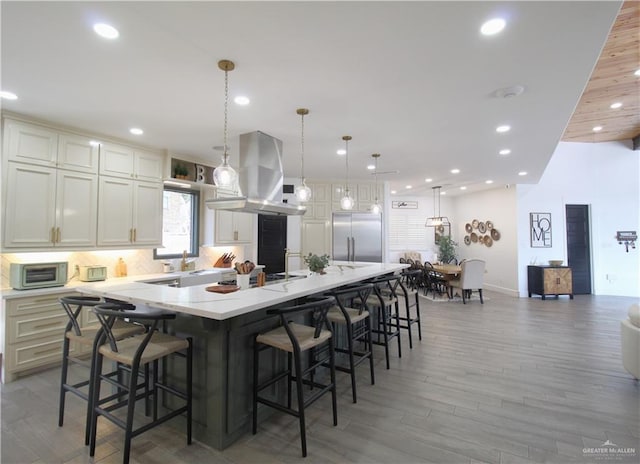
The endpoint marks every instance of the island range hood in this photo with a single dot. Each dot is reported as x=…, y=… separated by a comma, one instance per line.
x=260, y=179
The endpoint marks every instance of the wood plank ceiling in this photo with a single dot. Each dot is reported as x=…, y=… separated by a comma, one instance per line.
x=613, y=80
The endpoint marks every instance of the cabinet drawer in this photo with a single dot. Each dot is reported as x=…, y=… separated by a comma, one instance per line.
x=39, y=304
x=27, y=355
x=36, y=326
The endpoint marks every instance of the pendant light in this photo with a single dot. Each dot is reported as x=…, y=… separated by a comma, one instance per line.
x=302, y=192
x=376, y=208
x=224, y=175
x=437, y=219
x=346, y=202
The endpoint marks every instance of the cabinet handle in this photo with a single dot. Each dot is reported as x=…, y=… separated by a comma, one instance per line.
x=57, y=234
x=135, y=235
x=235, y=235
x=53, y=235
x=130, y=235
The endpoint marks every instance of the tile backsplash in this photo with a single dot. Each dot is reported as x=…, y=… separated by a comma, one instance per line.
x=138, y=261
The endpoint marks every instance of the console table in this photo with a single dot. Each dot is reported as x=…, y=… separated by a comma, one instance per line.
x=550, y=280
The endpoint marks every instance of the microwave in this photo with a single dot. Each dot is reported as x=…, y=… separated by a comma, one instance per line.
x=24, y=276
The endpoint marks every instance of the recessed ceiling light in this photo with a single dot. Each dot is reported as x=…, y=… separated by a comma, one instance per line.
x=371, y=167
x=106, y=31
x=637, y=73
x=455, y=171
x=242, y=100
x=94, y=143
x=463, y=188
x=393, y=192
x=503, y=128
x=493, y=26
x=8, y=95
x=597, y=129
x=488, y=181
x=616, y=105
x=522, y=173
x=409, y=187
x=136, y=131
x=342, y=151
x=505, y=151
x=443, y=193
x=428, y=179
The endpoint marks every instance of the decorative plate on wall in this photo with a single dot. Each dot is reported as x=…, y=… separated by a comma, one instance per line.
x=480, y=238
x=467, y=240
x=489, y=225
x=482, y=228
x=440, y=229
x=468, y=228
x=474, y=223
x=474, y=237
x=495, y=234
x=488, y=241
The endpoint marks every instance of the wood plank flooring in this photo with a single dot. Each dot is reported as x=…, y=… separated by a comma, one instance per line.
x=510, y=381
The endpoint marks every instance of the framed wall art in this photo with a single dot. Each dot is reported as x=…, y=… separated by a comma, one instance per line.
x=540, y=227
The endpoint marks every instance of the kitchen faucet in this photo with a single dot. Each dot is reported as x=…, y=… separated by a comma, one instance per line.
x=287, y=255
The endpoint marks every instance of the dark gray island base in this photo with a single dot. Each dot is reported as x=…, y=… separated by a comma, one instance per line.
x=223, y=328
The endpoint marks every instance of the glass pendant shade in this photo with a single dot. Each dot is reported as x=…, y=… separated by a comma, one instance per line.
x=303, y=192
x=376, y=208
x=347, y=202
x=224, y=175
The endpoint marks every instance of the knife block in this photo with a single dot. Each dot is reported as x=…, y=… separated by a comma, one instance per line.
x=220, y=263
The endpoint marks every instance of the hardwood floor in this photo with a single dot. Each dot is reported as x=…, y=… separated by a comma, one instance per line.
x=510, y=381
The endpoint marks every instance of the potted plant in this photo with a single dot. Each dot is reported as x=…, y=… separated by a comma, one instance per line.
x=446, y=249
x=316, y=263
x=180, y=171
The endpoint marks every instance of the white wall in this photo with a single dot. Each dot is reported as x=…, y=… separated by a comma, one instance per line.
x=604, y=176
x=499, y=206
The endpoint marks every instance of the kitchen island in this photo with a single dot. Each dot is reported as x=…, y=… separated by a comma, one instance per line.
x=223, y=327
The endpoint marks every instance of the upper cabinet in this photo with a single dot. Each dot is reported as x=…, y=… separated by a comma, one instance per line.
x=59, y=188
x=34, y=144
x=130, y=163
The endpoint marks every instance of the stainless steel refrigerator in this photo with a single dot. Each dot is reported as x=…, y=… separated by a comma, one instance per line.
x=357, y=237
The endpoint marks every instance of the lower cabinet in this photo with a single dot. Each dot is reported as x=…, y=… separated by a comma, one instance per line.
x=34, y=333
x=550, y=280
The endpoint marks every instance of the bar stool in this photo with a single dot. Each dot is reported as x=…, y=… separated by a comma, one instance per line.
x=295, y=338
x=139, y=350
x=384, y=301
x=409, y=292
x=357, y=322
x=84, y=337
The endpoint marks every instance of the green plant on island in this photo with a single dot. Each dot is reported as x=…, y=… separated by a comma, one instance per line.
x=446, y=249
x=316, y=263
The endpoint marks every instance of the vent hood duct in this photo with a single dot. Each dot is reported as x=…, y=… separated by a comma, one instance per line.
x=260, y=179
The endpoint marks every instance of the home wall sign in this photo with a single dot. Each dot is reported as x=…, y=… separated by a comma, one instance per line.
x=404, y=204
x=540, y=227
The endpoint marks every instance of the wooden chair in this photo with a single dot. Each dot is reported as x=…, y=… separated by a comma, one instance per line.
x=471, y=278
x=294, y=338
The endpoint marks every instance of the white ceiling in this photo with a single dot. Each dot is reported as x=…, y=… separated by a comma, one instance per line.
x=410, y=80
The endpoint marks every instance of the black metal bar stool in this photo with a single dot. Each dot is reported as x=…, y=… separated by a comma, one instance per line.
x=313, y=336
x=384, y=301
x=88, y=337
x=357, y=323
x=408, y=290
x=139, y=350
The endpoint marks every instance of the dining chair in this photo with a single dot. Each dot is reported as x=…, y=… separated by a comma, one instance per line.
x=471, y=278
x=434, y=280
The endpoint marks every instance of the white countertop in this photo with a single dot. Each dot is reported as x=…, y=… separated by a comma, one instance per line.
x=197, y=301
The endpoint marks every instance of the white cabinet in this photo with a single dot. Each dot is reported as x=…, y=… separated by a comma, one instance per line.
x=33, y=144
x=233, y=228
x=316, y=237
x=129, y=213
x=130, y=163
x=47, y=207
x=33, y=333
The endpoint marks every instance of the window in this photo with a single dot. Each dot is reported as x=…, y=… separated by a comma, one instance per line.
x=180, y=208
x=407, y=231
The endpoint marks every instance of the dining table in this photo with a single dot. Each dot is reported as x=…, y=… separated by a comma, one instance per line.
x=449, y=271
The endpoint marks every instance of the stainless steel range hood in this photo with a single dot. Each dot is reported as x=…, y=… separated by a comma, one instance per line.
x=260, y=179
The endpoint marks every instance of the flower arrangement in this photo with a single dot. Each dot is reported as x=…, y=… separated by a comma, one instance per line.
x=316, y=263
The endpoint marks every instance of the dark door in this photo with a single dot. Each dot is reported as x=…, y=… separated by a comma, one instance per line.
x=272, y=240
x=578, y=247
